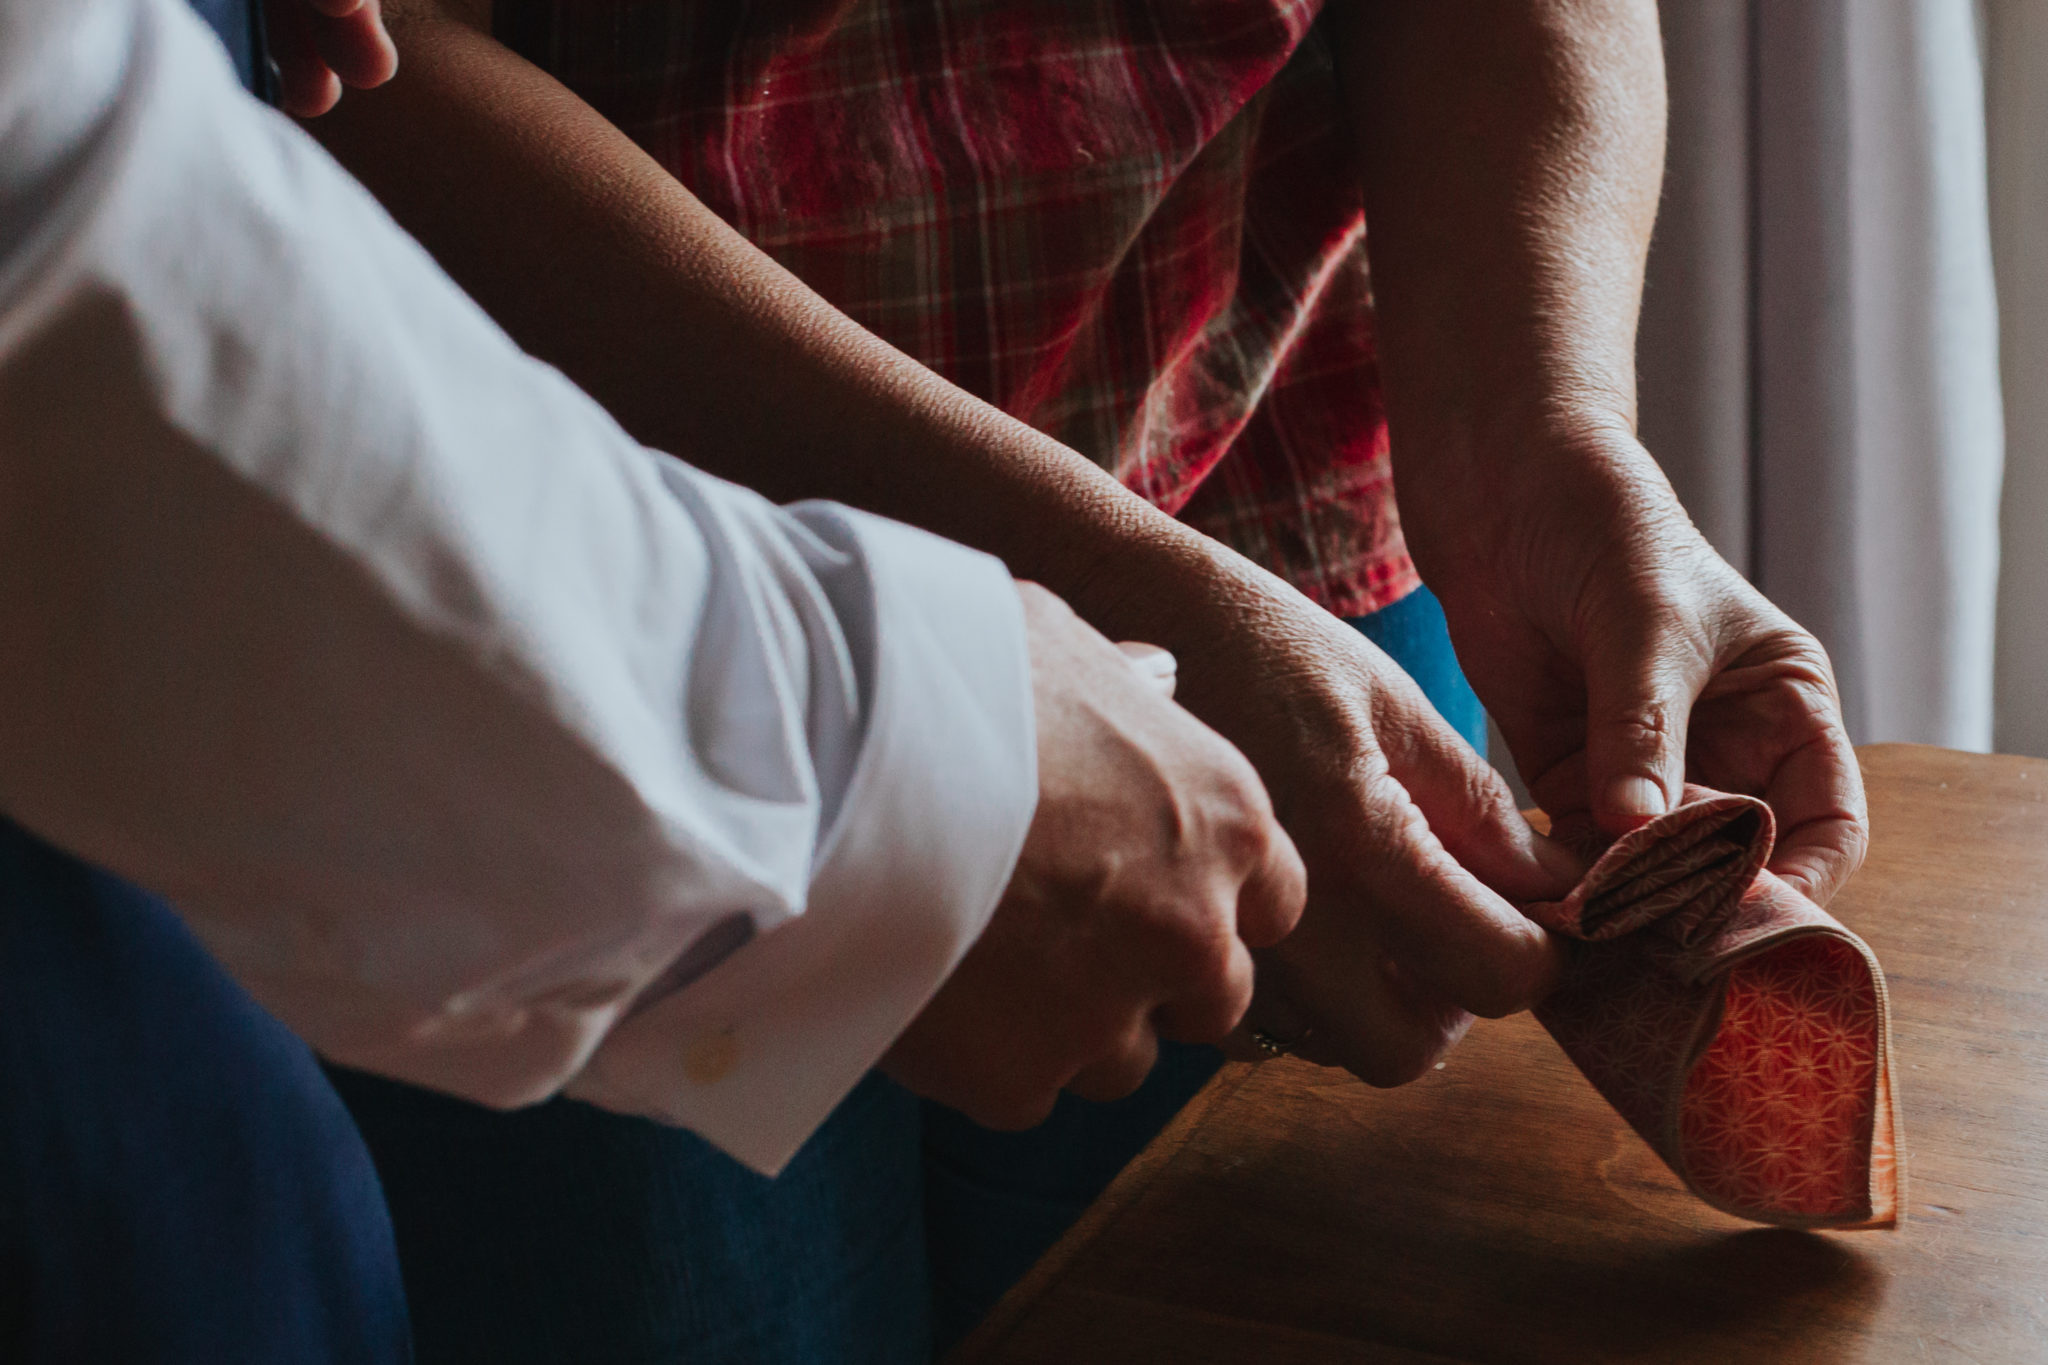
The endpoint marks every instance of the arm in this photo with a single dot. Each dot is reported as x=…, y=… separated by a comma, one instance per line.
x=700, y=343
x=475, y=738
x=1511, y=155
x=685, y=331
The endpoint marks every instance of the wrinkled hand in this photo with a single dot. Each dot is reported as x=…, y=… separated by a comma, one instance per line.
x=1412, y=842
x=1152, y=861
x=321, y=45
x=1621, y=655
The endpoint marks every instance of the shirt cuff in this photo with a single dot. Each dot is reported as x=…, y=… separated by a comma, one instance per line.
x=755, y=1054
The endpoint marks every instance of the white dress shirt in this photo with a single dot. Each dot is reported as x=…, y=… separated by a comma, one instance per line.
x=491, y=750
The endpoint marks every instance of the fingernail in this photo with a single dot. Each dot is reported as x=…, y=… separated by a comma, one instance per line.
x=1158, y=666
x=1636, y=797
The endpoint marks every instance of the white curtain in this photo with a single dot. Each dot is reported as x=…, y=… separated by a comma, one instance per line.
x=2016, y=48
x=1820, y=336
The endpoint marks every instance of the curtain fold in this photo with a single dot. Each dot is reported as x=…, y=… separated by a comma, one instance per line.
x=1819, y=351
x=2016, y=47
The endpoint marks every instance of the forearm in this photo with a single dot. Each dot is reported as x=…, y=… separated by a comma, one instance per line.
x=454, y=721
x=1511, y=155
x=598, y=260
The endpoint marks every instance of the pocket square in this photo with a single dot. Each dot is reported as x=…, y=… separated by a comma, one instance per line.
x=1737, y=1026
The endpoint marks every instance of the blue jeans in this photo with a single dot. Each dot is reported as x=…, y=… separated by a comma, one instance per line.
x=564, y=1233
x=178, y=1183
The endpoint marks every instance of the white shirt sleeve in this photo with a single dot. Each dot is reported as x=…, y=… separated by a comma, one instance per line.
x=490, y=750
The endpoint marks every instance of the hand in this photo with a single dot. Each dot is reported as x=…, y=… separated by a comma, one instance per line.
x=1413, y=845
x=322, y=45
x=1620, y=655
x=1152, y=861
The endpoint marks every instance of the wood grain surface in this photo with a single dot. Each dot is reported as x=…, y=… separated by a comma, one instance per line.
x=1497, y=1210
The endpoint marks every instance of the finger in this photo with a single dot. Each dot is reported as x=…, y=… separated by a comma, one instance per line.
x=1269, y=903
x=1773, y=728
x=1823, y=827
x=1467, y=802
x=1637, y=702
x=933, y=1064
x=1013, y=1111
x=1384, y=1033
x=357, y=49
x=1272, y=1015
x=1120, y=1073
x=1157, y=666
x=1459, y=937
x=306, y=88
x=1208, y=1012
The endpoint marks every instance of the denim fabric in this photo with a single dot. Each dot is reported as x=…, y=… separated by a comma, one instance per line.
x=563, y=1233
x=178, y=1184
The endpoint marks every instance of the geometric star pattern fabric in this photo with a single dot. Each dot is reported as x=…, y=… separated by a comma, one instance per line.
x=1740, y=1029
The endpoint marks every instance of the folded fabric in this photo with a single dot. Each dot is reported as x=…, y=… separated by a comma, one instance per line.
x=1735, y=1024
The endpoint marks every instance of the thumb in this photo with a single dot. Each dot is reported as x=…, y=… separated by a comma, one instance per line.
x=1636, y=713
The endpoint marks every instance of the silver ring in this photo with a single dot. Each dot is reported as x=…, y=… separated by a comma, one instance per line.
x=1276, y=1047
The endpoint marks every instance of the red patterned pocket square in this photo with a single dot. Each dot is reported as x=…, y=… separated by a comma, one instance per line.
x=1735, y=1024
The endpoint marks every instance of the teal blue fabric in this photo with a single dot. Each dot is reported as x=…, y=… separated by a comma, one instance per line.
x=1415, y=635
x=564, y=1233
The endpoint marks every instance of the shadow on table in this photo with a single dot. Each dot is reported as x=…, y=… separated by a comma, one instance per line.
x=1799, y=1290
x=1450, y=1291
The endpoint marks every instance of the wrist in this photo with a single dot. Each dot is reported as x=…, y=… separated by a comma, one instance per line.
x=1152, y=578
x=1467, y=499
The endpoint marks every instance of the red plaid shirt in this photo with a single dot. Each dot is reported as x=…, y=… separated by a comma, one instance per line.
x=1133, y=224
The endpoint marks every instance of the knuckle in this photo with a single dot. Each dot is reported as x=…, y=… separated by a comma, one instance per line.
x=1206, y=1006
x=1391, y=827
x=1277, y=906
x=1857, y=847
x=1487, y=791
x=1502, y=995
x=1644, y=725
x=1379, y=791
x=1198, y=966
x=1211, y=1018
x=1390, y=1070
x=1525, y=979
x=1106, y=1087
x=1249, y=829
x=1192, y=928
x=1117, y=1075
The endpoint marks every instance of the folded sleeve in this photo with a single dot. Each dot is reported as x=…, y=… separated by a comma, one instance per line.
x=492, y=751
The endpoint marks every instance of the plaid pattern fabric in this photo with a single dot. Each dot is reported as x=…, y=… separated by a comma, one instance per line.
x=1132, y=224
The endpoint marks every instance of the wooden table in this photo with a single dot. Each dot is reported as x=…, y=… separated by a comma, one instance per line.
x=1498, y=1210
